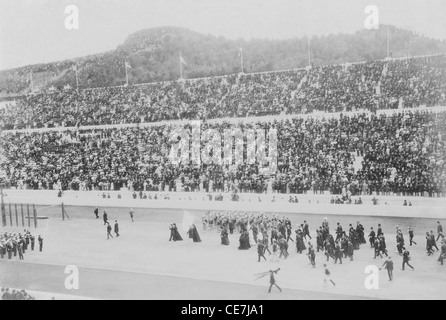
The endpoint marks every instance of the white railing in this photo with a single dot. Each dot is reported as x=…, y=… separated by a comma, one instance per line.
x=176, y=123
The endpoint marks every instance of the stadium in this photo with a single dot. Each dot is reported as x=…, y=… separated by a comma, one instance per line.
x=96, y=168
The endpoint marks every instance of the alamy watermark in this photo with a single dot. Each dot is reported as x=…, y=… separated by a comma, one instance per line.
x=371, y=282
x=72, y=281
x=72, y=18
x=232, y=146
x=372, y=20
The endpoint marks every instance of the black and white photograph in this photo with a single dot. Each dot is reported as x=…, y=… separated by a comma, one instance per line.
x=222, y=150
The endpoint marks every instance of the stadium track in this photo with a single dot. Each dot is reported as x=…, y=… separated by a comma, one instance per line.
x=116, y=285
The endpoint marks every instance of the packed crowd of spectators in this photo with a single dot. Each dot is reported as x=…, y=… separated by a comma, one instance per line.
x=94, y=71
x=18, y=81
x=365, y=86
x=404, y=153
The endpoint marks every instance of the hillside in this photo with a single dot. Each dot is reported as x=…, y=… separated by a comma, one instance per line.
x=154, y=56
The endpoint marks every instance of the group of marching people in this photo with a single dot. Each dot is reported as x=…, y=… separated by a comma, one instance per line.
x=271, y=230
x=343, y=246
x=265, y=229
x=192, y=233
x=273, y=234
x=13, y=244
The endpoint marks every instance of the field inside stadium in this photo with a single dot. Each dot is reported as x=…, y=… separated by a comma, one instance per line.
x=143, y=264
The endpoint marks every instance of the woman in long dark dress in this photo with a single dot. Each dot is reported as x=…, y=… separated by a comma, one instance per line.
x=193, y=233
x=224, y=237
x=244, y=241
x=175, y=234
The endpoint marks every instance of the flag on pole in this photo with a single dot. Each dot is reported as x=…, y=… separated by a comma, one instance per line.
x=77, y=78
x=309, y=52
x=127, y=67
x=182, y=61
x=188, y=220
x=240, y=55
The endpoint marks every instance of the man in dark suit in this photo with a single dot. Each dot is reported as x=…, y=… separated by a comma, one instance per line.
x=40, y=240
x=380, y=230
x=338, y=253
x=406, y=259
x=116, y=228
x=261, y=250
x=439, y=231
x=306, y=230
x=443, y=253
x=33, y=240
x=376, y=245
x=96, y=213
x=383, y=245
x=109, y=230
x=338, y=232
x=2, y=250
x=388, y=265
x=433, y=241
x=360, y=233
x=272, y=280
x=372, y=237
x=411, y=236
x=20, y=250
x=105, y=217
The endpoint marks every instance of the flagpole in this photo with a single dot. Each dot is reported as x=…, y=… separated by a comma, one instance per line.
x=126, y=73
x=77, y=79
x=32, y=82
x=181, y=68
x=2, y=206
x=241, y=57
x=309, y=53
x=388, y=41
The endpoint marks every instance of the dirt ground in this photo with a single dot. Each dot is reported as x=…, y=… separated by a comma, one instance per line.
x=143, y=264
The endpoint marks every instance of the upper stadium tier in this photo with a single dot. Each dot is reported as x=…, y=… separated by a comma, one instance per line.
x=368, y=86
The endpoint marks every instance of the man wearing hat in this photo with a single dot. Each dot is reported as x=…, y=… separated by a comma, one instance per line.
x=372, y=237
x=33, y=240
x=443, y=252
x=439, y=231
x=116, y=228
x=380, y=230
x=20, y=251
x=388, y=265
x=40, y=240
x=411, y=236
x=109, y=230
x=306, y=230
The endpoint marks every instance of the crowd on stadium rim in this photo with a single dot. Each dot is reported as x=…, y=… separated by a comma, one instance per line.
x=368, y=86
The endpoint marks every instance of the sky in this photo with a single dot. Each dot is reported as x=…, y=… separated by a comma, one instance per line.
x=34, y=31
